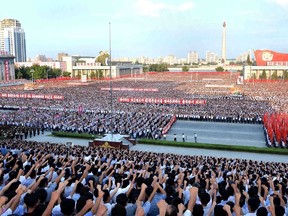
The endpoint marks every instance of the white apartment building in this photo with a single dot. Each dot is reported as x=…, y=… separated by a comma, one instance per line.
x=192, y=57
x=243, y=56
x=12, y=39
x=211, y=57
x=54, y=64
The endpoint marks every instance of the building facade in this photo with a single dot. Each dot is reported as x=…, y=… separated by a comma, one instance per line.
x=83, y=68
x=243, y=57
x=7, y=69
x=269, y=64
x=192, y=57
x=52, y=64
x=12, y=39
x=211, y=57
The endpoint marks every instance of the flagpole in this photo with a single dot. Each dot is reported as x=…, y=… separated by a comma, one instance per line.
x=111, y=87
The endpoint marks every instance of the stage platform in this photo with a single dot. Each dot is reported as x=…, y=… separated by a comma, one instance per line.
x=113, y=141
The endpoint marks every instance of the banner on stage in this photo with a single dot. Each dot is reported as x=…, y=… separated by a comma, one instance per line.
x=162, y=101
x=32, y=96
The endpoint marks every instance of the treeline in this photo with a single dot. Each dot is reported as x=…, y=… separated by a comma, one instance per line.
x=156, y=67
x=39, y=72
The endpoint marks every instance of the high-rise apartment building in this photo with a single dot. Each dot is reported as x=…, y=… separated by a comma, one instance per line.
x=192, y=57
x=12, y=39
x=243, y=57
x=211, y=57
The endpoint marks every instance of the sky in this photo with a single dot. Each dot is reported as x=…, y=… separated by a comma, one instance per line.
x=152, y=28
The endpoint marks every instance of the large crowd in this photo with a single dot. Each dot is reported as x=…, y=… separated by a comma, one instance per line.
x=51, y=179
x=55, y=179
x=255, y=99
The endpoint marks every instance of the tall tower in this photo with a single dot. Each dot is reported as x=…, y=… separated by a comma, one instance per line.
x=12, y=39
x=223, y=55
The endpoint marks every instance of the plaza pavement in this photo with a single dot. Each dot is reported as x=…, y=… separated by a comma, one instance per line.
x=208, y=132
x=219, y=133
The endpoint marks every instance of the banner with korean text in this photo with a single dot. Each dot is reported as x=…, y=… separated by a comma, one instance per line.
x=162, y=101
x=132, y=89
x=32, y=96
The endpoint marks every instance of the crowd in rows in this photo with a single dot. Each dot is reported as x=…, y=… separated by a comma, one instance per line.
x=19, y=132
x=219, y=104
x=51, y=179
x=136, y=125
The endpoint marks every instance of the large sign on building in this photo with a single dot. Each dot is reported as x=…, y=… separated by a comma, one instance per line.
x=7, y=69
x=270, y=58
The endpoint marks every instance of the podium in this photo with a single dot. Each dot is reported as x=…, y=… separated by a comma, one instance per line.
x=117, y=141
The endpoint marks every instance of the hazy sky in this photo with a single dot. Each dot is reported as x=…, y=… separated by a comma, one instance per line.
x=150, y=28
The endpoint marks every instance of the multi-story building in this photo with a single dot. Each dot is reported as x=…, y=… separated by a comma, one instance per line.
x=192, y=57
x=211, y=57
x=61, y=55
x=243, y=56
x=12, y=39
x=52, y=64
x=268, y=63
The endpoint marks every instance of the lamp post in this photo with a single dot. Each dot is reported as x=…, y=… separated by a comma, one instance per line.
x=32, y=72
x=47, y=73
x=133, y=73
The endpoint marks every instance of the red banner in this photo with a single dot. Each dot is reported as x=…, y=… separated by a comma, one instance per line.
x=6, y=70
x=169, y=125
x=132, y=89
x=271, y=58
x=32, y=96
x=162, y=101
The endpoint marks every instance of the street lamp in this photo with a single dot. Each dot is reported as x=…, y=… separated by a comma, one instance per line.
x=133, y=72
x=32, y=72
x=47, y=73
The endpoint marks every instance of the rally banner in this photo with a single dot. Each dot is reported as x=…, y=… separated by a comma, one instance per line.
x=7, y=70
x=169, y=125
x=32, y=96
x=162, y=101
x=132, y=89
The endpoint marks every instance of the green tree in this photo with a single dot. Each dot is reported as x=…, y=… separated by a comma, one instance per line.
x=285, y=74
x=56, y=73
x=185, y=68
x=66, y=74
x=22, y=72
x=274, y=75
x=92, y=75
x=78, y=75
x=145, y=68
x=99, y=74
x=102, y=58
x=249, y=62
x=19, y=75
x=219, y=69
x=263, y=75
x=158, y=67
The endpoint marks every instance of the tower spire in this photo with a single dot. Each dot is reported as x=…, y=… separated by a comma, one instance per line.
x=223, y=51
